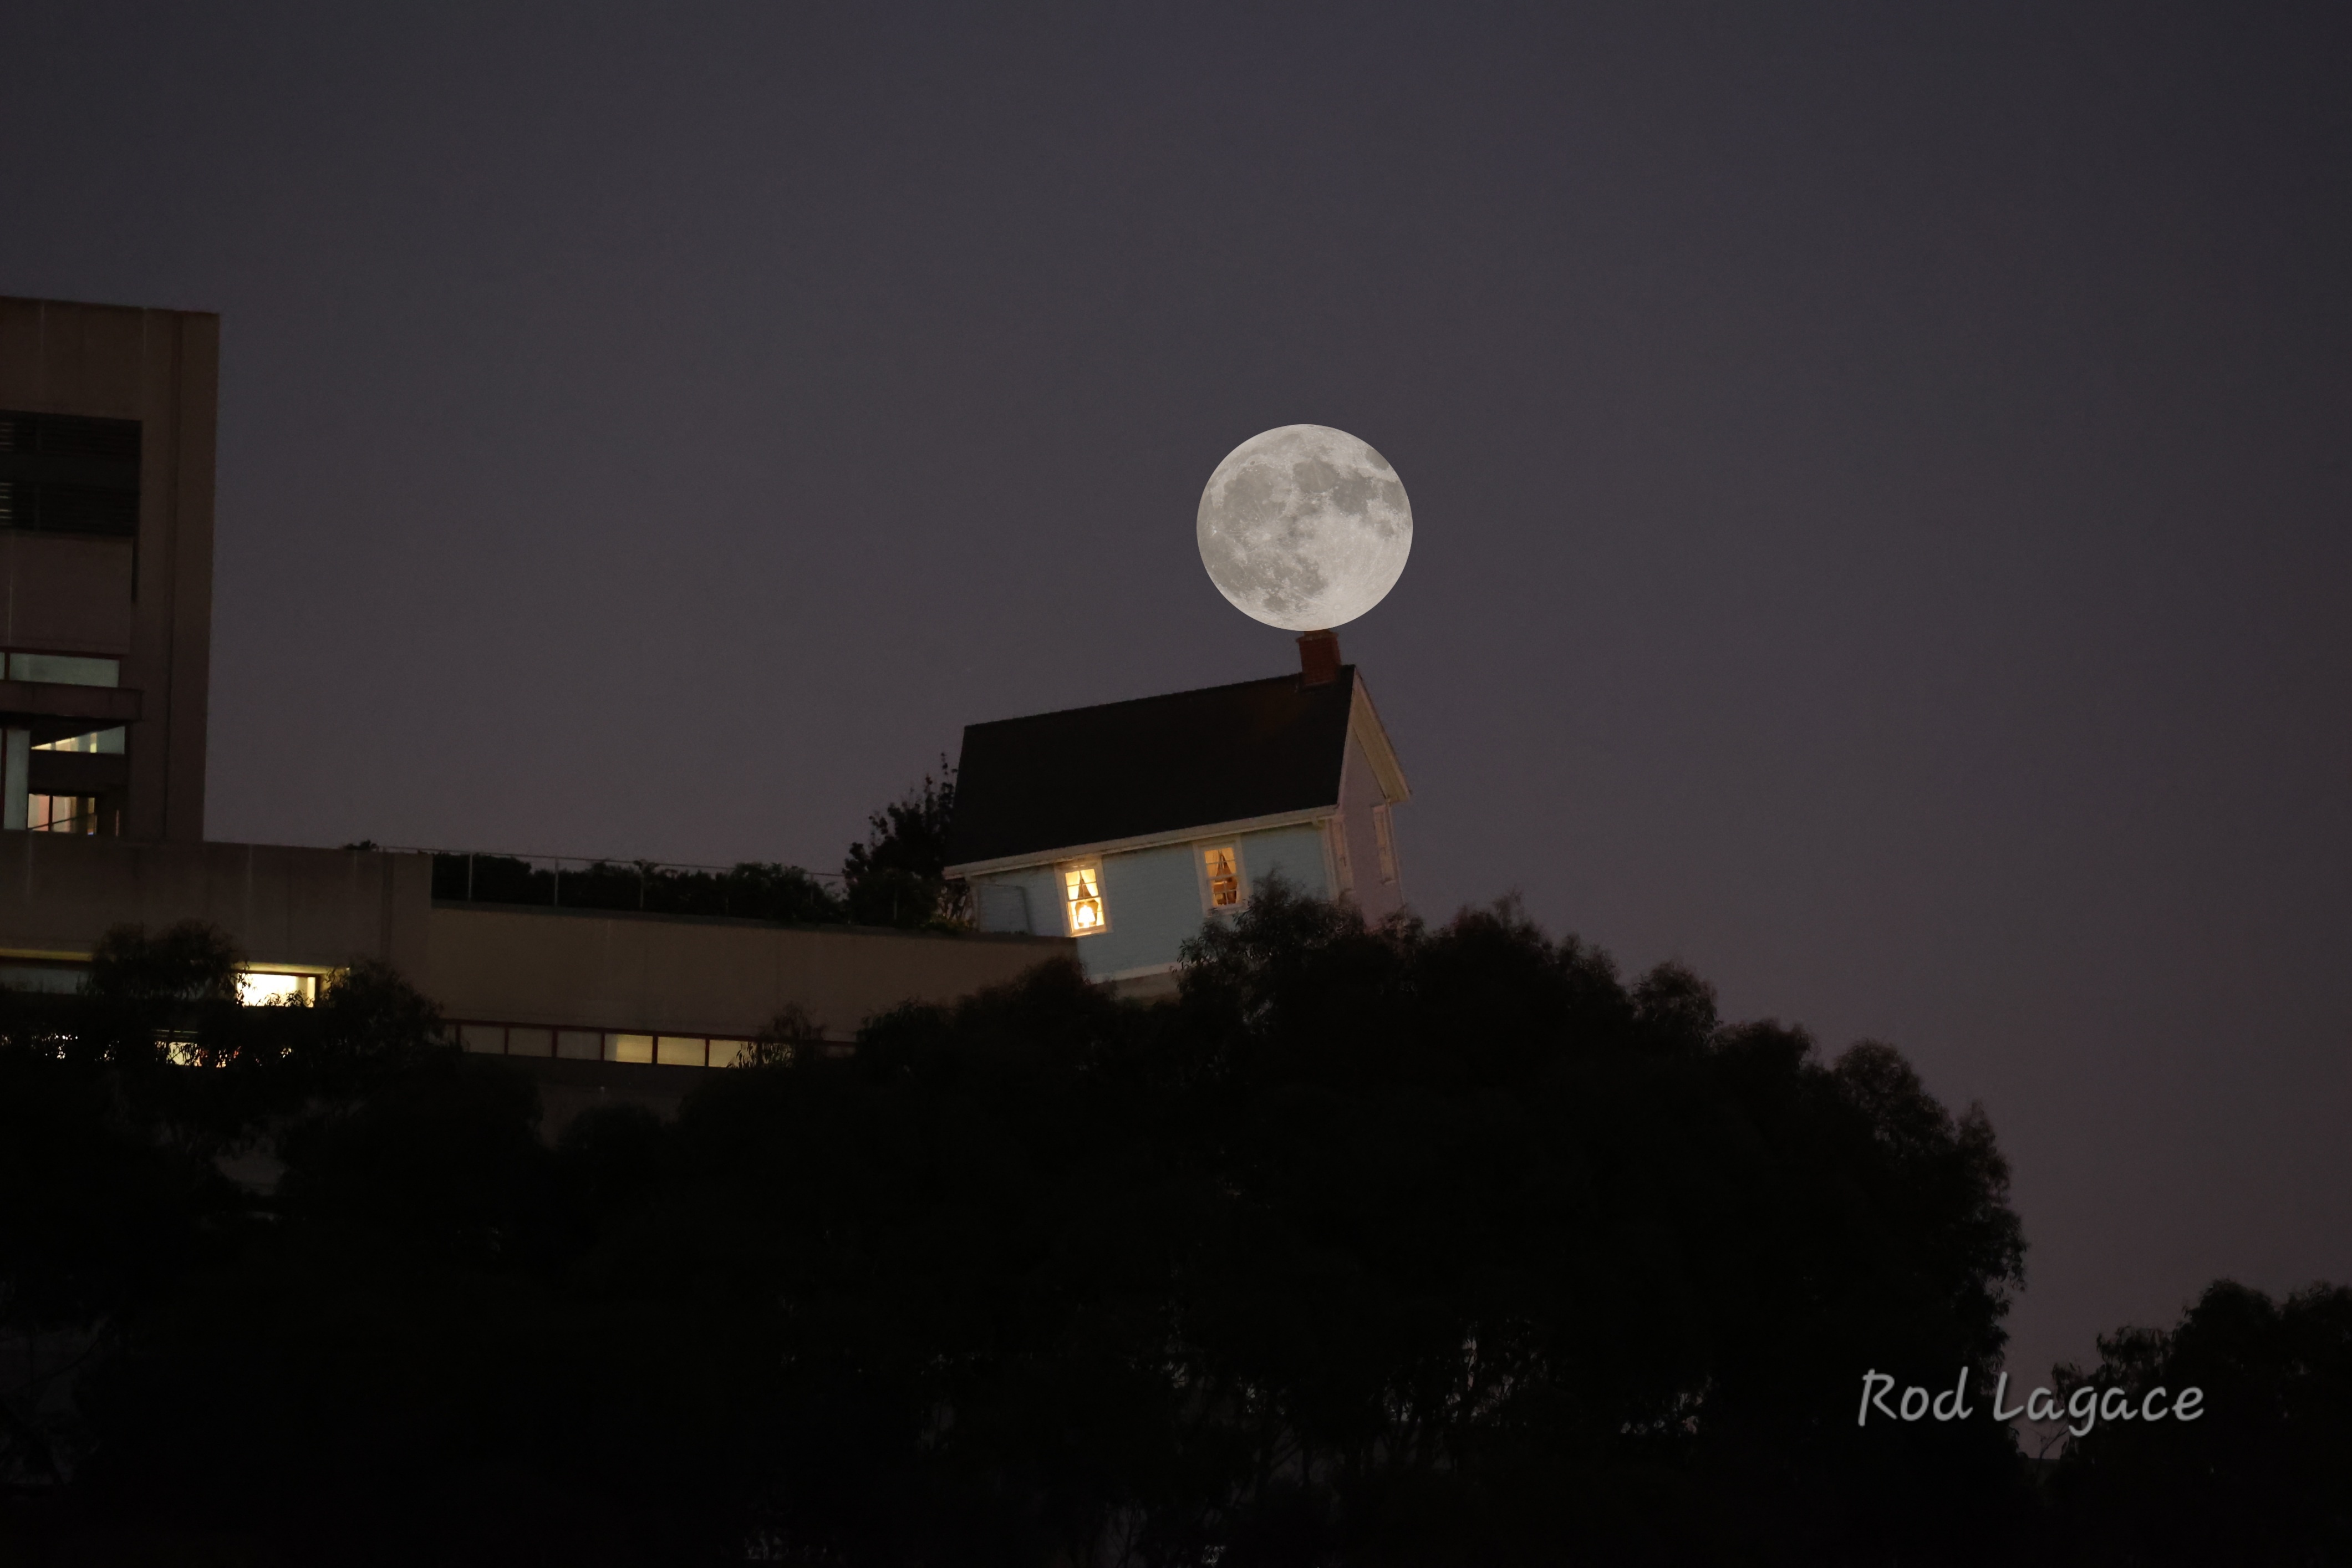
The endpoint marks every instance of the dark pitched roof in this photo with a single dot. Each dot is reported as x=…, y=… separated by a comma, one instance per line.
x=1157, y=764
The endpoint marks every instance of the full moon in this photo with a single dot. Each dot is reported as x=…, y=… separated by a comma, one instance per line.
x=1304, y=527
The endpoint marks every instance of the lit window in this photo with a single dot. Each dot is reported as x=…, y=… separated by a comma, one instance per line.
x=65, y=670
x=261, y=988
x=628, y=1048
x=1385, y=836
x=1223, y=867
x=59, y=978
x=1082, y=899
x=101, y=743
x=61, y=813
x=681, y=1050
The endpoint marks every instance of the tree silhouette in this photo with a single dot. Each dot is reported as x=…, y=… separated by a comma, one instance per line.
x=1379, y=1244
x=2263, y=1474
x=897, y=876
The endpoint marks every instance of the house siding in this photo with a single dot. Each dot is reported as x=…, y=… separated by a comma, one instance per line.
x=1153, y=896
x=1360, y=795
x=1294, y=854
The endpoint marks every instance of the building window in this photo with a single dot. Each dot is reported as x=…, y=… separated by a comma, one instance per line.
x=98, y=742
x=262, y=988
x=1337, y=827
x=596, y=1045
x=65, y=670
x=1082, y=899
x=61, y=813
x=1385, y=836
x=1223, y=867
x=66, y=473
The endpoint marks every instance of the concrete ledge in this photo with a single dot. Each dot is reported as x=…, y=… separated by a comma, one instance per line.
x=77, y=772
x=59, y=893
x=34, y=702
x=697, y=974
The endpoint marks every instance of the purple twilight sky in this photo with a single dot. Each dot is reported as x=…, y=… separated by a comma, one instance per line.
x=1883, y=528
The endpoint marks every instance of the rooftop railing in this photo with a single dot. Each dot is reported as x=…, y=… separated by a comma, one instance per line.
x=750, y=889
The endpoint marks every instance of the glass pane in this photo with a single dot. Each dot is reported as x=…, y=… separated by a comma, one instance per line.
x=530, y=1042
x=726, y=1052
x=679, y=1051
x=628, y=1048
x=65, y=668
x=61, y=813
x=49, y=977
x=99, y=743
x=264, y=990
x=483, y=1039
x=579, y=1045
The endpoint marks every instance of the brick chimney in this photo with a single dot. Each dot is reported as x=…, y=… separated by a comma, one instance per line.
x=1318, y=658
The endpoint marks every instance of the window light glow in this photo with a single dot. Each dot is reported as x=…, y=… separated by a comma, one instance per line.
x=61, y=813
x=260, y=988
x=1082, y=895
x=98, y=742
x=1222, y=866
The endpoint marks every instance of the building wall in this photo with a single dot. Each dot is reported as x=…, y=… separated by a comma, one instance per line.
x=1154, y=897
x=1359, y=797
x=295, y=909
x=301, y=909
x=655, y=974
x=1294, y=854
x=1152, y=901
x=145, y=600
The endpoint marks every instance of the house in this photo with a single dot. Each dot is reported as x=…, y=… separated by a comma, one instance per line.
x=1127, y=825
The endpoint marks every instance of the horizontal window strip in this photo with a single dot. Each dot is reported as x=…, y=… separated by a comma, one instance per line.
x=624, y=1045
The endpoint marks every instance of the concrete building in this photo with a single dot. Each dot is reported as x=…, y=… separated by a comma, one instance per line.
x=106, y=557
x=106, y=534
x=1123, y=826
x=603, y=1003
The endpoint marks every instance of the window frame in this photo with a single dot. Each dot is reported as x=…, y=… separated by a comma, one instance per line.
x=33, y=673
x=76, y=823
x=1062, y=872
x=1202, y=849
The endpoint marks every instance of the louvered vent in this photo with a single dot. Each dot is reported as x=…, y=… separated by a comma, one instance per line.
x=66, y=474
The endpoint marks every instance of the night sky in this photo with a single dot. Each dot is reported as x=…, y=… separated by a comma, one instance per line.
x=1884, y=522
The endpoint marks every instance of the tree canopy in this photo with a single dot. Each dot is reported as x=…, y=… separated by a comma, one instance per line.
x=1379, y=1245
x=897, y=876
